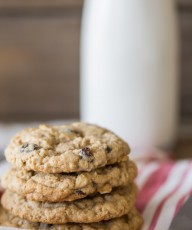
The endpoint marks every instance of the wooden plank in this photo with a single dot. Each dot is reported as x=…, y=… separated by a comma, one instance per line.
x=39, y=68
x=183, y=149
x=40, y=8
x=33, y=4
x=184, y=3
x=185, y=29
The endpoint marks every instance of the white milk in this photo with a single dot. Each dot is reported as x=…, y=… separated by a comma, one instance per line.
x=129, y=69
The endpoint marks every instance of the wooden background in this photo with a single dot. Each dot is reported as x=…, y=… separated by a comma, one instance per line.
x=185, y=29
x=39, y=59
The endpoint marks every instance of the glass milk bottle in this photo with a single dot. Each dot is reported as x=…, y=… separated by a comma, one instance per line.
x=129, y=69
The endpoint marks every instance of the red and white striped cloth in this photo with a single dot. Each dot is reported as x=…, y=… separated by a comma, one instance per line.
x=164, y=186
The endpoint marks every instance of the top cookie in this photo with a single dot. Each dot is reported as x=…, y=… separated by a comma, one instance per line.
x=69, y=148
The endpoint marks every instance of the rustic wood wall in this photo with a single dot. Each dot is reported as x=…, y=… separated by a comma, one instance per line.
x=185, y=32
x=39, y=59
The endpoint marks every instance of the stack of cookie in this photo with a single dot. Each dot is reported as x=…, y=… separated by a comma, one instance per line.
x=76, y=176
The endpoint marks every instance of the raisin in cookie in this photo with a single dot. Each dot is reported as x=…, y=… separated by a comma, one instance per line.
x=88, y=210
x=70, y=148
x=38, y=186
x=132, y=221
